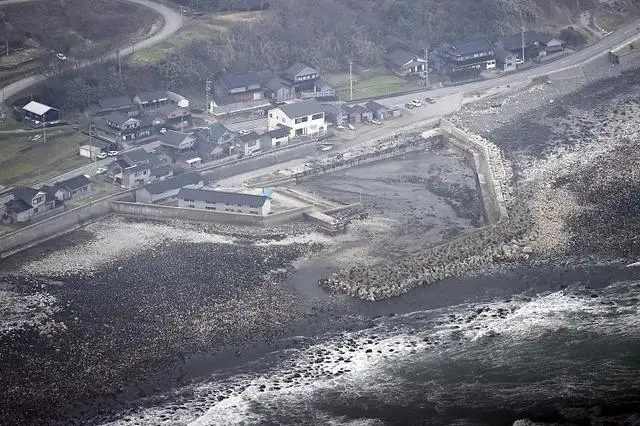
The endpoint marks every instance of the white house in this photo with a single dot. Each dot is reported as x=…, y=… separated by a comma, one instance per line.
x=249, y=143
x=302, y=118
x=225, y=202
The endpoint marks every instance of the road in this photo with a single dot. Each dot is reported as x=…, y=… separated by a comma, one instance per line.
x=586, y=55
x=172, y=23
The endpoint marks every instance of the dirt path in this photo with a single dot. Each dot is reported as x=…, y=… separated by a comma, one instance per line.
x=172, y=23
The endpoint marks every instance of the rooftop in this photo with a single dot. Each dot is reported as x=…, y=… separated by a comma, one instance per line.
x=24, y=193
x=302, y=108
x=252, y=136
x=117, y=117
x=75, y=182
x=278, y=133
x=299, y=69
x=173, y=183
x=242, y=79
x=174, y=138
x=37, y=108
x=469, y=47
x=152, y=95
x=400, y=57
x=221, y=197
x=514, y=41
x=115, y=102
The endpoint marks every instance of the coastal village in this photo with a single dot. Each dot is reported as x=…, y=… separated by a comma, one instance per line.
x=275, y=212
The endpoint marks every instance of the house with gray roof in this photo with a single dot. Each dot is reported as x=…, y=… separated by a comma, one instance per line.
x=249, y=143
x=279, y=90
x=151, y=99
x=466, y=55
x=116, y=103
x=137, y=167
x=224, y=202
x=300, y=75
x=177, y=140
x=405, y=63
x=505, y=60
x=276, y=137
x=117, y=126
x=168, y=188
x=26, y=203
x=379, y=112
x=215, y=133
x=535, y=44
x=75, y=187
x=301, y=117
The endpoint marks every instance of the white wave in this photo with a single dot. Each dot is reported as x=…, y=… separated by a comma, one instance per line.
x=370, y=361
x=113, y=239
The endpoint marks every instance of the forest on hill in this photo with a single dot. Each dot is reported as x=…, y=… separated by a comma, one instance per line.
x=327, y=34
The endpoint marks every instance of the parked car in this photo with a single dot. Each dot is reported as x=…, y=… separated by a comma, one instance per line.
x=376, y=122
x=416, y=103
x=102, y=156
x=243, y=132
x=163, y=130
x=430, y=100
x=101, y=170
x=112, y=153
x=340, y=127
x=409, y=105
x=351, y=126
x=61, y=56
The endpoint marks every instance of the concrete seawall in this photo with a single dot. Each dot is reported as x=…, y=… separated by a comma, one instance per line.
x=489, y=170
x=160, y=212
x=59, y=224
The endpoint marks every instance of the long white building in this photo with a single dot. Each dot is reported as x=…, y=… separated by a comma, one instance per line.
x=302, y=118
x=225, y=202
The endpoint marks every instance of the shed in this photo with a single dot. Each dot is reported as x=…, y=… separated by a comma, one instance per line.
x=41, y=113
x=90, y=151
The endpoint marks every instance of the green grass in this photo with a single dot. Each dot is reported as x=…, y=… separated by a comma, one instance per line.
x=25, y=161
x=369, y=85
x=204, y=27
x=9, y=124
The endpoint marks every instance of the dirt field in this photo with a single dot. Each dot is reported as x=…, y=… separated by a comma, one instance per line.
x=24, y=160
x=414, y=201
x=369, y=84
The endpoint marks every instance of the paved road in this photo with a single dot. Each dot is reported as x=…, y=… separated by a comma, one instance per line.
x=172, y=23
x=90, y=170
x=582, y=57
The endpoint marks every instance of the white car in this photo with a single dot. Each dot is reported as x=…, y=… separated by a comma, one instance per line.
x=416, y=103
x=101, y=170
x=430, y=100
x=376, y=122
x=243, y=132
x=102, y=156
x=61, y=56
x=112, y=153
x=340, y=127
x=351, y=126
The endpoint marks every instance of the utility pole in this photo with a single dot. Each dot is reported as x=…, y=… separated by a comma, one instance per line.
x=90, y=141
x=44, y=130
x=119, y=63
x=7, y=47
x=522, y=37
x=350, y=81
x=207, y=95
x=426, y=67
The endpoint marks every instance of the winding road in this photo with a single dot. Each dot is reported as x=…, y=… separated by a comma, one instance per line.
x=172, y=23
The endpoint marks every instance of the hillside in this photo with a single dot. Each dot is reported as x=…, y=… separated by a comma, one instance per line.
x=74, y=27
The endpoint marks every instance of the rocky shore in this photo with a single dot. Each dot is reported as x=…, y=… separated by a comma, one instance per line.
x=547, y=182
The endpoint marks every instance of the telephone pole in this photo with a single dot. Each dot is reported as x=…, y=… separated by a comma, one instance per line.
x=522, y=37
x=350, y=81
x=119, y=63
x=426, y=67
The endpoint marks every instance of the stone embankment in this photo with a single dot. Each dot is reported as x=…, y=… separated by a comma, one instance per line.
x=508, y=238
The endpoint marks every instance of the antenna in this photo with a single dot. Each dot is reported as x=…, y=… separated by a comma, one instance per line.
x=350, y=81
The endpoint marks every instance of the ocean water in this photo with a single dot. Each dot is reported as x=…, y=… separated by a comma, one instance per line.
x=569, y=355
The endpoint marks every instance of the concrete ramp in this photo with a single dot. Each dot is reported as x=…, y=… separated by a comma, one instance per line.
x=325, y=222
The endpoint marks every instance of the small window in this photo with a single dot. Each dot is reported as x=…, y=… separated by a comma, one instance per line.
x=317, y=116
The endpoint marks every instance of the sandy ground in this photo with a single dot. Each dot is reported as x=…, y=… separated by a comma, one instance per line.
x=411, y=202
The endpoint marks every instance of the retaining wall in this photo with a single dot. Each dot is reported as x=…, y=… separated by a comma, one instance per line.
x=490, y=186
x=59, y=224
x=160, y=212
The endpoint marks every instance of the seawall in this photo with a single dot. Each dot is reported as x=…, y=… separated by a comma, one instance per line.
x=59, y=224
x=160, y=212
